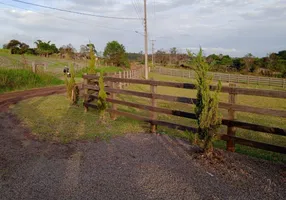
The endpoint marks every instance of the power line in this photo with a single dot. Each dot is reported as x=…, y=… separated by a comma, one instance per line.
x=74, y=12
x=139, y=8
x=71, y=20
x=136, y=9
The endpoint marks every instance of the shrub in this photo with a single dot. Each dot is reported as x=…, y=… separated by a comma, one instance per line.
x=208, y=116
x=101, y=102
x=92, y=60
x=70, y=84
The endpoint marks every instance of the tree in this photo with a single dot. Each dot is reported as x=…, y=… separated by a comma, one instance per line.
x=16, y=47
x=85, y=50
x=282, y=54
x=208, y=116
x=67, y=50
x=248, y=61
x=237, y=64
x=115, y=54
x=92, y=59
x=45, y=48
x=173, y=56
x=161, y=57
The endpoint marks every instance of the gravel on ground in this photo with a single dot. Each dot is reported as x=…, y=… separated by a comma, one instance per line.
x=134, y=166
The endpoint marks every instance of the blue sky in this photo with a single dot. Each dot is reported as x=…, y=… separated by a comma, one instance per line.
x=220, y=26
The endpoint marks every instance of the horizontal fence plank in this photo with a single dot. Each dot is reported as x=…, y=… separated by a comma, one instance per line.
x=237, y=78
x=244, y=91
x=153, y=82
x=239, y=124
x=254, y=127
x=236, y=107
x=256, y=110
x=259, y=92
x=154, y=122
x=254, y=144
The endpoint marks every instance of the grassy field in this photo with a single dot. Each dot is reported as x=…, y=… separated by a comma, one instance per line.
x=54, y=64
x=14, y=77
x=67, y=123
x=21, y=79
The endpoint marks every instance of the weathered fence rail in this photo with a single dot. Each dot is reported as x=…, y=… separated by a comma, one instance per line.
x=229, y=78
x=114, y=88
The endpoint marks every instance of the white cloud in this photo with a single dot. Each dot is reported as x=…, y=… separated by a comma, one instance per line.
x=221, y=26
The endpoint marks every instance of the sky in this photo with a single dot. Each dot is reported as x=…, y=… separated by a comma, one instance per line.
x=233, y=27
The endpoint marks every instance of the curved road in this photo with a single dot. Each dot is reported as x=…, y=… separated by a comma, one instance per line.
x=7, y=99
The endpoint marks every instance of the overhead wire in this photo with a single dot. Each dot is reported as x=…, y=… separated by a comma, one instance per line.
x=74, y=12
x=135, y=8
x=63, y=18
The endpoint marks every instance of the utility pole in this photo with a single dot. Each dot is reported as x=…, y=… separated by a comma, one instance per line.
x=153, y=52
x=146, y=40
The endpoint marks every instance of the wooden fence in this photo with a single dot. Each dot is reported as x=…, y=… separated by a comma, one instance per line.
x=229, y=78
x=115, y=87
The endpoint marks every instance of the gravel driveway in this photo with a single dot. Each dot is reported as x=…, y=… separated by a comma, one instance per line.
x=136, y=166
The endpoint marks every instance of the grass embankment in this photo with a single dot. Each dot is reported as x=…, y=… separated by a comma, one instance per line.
x=20, y=79
x=52, y=118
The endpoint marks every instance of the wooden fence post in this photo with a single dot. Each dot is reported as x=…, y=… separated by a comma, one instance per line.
x=34, y=68
x=113, y=106
x=120, y=84
x=45, y=66
x=283, y=83
x=154, y=104
x=85, y=94
x=230, y=146
x=247, y=80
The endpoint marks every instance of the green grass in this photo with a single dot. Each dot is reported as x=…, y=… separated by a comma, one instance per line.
x=67, y=123
x=105, y=69
x=20, y=79
x=263, y=102
x=52, y=118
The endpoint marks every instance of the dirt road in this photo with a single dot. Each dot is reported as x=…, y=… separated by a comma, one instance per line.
x=135, y=166
x=7, y=99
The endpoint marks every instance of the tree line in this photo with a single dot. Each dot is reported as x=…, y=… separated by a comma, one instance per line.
x=114, y=52
x=274, y=64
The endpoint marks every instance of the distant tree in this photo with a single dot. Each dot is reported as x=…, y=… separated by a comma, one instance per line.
x=115, y=54
x=173, y=54
x=67, y=50
x=248, y=61
x=161, y=57
x=282, y=54
x=16, y=47
x=237, y=64
x=45, y=48
x=85, y=50
x=213, y=58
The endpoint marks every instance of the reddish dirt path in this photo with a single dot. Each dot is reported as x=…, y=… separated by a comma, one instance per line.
x=7, y=99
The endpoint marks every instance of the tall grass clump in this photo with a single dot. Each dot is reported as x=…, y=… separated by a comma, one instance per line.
x=92, y=60
x=72, y=89
x=208, y=116
x=18, y=79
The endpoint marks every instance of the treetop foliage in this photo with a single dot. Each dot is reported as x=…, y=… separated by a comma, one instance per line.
x=115, y=54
